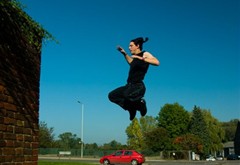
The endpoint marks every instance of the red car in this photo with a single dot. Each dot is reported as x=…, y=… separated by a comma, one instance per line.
x=123, y=156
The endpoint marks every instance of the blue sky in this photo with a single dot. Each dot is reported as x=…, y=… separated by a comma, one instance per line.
x=196, y=42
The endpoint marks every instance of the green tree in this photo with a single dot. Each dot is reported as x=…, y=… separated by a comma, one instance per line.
x=198, y=127
x=135, y=136
x=216, y=133
x=90, y=149
x=113, y=145
x=46, y=136
x=148, y=123
x=230, y=129
x=157, y=139
x=92, y=146
x=68, y=141
x=174, y=118
x=189, y=142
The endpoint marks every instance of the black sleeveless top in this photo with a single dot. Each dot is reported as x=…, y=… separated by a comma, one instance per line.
x=138, y=69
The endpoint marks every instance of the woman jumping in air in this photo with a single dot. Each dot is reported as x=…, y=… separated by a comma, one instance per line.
x=130, y=96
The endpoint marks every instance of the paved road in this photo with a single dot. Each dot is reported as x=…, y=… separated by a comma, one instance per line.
x=180, y=162
x=148, y=162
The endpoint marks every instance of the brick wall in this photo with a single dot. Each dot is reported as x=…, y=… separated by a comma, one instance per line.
x=19, y=104
x=19, y=94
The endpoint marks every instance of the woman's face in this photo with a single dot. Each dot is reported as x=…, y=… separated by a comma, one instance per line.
x=134, y=49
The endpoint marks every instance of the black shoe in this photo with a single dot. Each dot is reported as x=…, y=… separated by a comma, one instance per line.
x=132, y=113
x=143, y=107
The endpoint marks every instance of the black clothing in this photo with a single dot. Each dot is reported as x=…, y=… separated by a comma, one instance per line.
x=129, y=96
x=138, y=69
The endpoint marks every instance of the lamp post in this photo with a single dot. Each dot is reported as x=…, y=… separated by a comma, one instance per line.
x=82, y=107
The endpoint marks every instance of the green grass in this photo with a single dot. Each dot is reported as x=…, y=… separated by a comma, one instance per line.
x=43, y=162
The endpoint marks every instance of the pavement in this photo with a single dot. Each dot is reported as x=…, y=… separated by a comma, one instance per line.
x=149, y=161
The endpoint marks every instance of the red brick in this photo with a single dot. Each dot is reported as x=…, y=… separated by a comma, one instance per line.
x=19, y=151
x=10, y=129
x=27, y=131
x=2, y=143
x=3, y=127
x=19, y=137
x=9, y=158
x=9, y=143
x=27, y=151
x=27, y=138
x=8, y=151
x=2, y=159
x=3, y=98
x=19, y=158
x=35, y=145
x=19, y=130
x=35, y=152
x=19, y=144
x=2, y=88
x=27, y=145
x=10, y=114
x=11, y=107
x=9, y=121
x=9, y=136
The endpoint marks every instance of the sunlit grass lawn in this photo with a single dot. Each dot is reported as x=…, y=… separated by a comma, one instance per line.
x=41, y=162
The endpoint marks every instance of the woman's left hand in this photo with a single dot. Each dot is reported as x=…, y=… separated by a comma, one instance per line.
x=138, y=57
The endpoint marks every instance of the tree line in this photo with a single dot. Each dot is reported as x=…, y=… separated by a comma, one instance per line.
x=174, y=129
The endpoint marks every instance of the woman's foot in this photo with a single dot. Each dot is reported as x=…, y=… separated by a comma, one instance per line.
x=143, y=107
x=132, y=113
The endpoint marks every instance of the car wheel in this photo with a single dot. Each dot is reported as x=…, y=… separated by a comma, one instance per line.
x=106, y=162
x=134, y=162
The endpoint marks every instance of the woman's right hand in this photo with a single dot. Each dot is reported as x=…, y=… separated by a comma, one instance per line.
x=120, y=49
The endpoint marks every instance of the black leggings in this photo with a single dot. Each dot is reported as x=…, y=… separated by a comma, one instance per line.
x=129, y=96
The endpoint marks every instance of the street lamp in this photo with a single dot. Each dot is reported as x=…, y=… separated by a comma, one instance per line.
x=82, y=107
